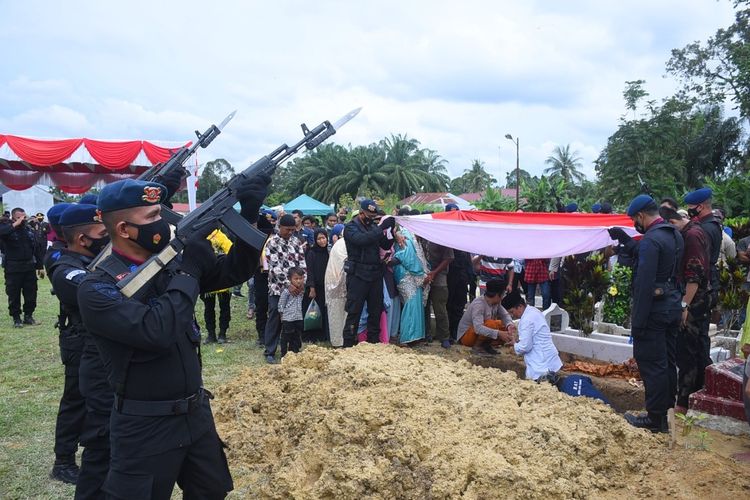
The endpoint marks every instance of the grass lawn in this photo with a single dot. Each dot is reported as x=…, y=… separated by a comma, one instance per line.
x=31, y=381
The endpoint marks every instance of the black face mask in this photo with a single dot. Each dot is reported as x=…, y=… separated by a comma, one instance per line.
x=640, y=228
x=97, y=244
x=153, y=236
x=693, y=212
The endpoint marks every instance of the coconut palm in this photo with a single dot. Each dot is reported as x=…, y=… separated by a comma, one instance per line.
x=364, y=173
x=476, y=178
x=564, y=164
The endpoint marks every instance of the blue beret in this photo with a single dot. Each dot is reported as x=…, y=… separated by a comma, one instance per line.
x=596, y=208
x=369, y=206
x=80, y=215
x=571, y=207
x=269, y=213
x=698, y=196
x=639, y=203
x=337, y=230
x=88, y=199
x=130, y=193
x=451, y=206
x=54, y=213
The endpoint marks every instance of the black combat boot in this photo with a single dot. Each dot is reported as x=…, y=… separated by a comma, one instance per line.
x=222, y=336
x=653, y=422
x=28, y=319
x=17, y=323
x=65, y=470
x=210, y=338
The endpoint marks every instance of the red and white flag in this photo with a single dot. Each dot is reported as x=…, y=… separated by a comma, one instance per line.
x=520, y=235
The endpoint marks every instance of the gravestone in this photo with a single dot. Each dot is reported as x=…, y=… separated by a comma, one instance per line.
x=722, y=392
x=557, y=318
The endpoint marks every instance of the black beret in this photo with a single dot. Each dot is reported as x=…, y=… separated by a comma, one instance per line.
x=130, y=193
x=80, y=215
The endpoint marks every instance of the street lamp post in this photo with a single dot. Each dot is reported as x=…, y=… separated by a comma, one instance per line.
x=518, y=170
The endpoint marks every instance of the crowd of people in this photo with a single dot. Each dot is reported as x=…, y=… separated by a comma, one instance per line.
x=133, y=395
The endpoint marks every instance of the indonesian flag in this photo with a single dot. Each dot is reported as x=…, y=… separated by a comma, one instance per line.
x=518, y=235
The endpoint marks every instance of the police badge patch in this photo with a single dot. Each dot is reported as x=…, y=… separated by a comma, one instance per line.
x=151, y=194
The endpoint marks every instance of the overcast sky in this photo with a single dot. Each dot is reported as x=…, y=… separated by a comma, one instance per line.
x=457, y=76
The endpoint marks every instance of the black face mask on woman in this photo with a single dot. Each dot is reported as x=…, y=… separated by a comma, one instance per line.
x=153, y=236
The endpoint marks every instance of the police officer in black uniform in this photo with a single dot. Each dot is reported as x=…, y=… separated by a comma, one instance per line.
x=161, y=429
x=85, y=236
x=22, y=260
x=364, y=271
x=72, y=410
x=656, y=309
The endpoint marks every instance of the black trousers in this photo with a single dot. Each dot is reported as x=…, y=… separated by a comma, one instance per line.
x=200, y=470
x=99, y=398
x=456, y=305
x=359, y=291
x=693, y=356
x=655, y=352
x=261, y=303
x=71, y=414
x=291, y=336
x=17, y=283
x=209, y=310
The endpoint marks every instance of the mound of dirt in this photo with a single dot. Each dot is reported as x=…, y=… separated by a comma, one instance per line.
x=377, y=421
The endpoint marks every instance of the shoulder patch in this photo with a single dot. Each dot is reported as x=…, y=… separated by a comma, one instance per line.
x=108, y=290
x=75, y=272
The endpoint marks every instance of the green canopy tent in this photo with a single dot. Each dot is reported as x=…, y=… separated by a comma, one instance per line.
x=309, y=206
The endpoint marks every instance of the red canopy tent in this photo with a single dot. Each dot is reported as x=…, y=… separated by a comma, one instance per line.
x=75, y=165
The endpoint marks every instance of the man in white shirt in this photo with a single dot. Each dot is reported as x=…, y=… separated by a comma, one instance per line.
x=534, y=338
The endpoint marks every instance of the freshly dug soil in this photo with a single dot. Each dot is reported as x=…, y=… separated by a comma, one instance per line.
x=377, y=421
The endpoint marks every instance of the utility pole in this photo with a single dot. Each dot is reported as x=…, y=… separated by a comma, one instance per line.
x=518, y=170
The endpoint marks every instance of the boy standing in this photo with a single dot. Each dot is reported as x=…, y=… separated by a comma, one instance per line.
x=290, y=308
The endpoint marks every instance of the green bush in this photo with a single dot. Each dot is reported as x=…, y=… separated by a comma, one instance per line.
x=616, y=308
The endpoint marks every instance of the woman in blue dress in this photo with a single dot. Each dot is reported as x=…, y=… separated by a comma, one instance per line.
x=409, y=273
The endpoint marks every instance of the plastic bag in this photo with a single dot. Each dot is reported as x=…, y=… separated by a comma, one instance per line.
x=313, y=318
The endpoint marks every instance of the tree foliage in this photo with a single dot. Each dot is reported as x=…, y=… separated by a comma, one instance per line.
x=719, y=68
x=677, y=146
x=396, y=165
x=564, y=164
x=214, y=176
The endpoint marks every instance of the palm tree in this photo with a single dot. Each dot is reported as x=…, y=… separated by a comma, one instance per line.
x=364, y=173
x=476, y=178
x=565, y=165
x=312, y=174
x=436, y=167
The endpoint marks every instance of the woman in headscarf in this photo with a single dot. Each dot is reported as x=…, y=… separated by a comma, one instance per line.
x=317, y=261
x=335, y=287
x=409, y=273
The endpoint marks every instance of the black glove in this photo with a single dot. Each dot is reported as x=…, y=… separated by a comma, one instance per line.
x=389, y=222
x=251, y=193
x=619, y=234
x=198, y=256
x=171, y=181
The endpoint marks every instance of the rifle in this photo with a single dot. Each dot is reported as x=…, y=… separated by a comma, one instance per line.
x=177, y=160
x=644, y=187
x=219, y=208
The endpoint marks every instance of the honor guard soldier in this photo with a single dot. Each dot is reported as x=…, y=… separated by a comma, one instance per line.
x=656, y=311
x=161, y=430
x=71, y=413
x=364, y=271
x=22, y=261
x=85, y=236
